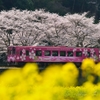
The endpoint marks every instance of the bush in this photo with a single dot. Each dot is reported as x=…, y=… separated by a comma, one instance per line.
x=56, y=82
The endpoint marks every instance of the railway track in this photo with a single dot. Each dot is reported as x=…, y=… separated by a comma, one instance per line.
x=9, y=67
x=3, y=68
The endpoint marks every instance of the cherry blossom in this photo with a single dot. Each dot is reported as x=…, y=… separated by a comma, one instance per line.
x=23, y=57
x=31, y=54
x=28, y=28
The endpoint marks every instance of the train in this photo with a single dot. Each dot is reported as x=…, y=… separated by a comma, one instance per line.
x=19, y=55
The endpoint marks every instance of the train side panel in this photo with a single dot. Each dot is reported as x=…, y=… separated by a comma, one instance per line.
x=51, y=54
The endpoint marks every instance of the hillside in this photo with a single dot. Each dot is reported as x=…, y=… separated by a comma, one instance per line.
x=57, y=6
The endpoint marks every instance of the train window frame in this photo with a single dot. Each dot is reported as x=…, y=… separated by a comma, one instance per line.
x=68, y=52
x=36, y=52
x=27, y=52
x=47, y=54
x=53, y=53
x=77, y=54
x=63, y=55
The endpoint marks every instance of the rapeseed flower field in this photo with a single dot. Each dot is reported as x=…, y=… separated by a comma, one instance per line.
x=56, y=82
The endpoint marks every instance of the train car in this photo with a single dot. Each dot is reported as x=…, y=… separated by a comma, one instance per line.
x=24, y=54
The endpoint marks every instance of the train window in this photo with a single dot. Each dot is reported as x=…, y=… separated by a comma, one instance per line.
x=20, y=52
x=47, y=53
x=27, y=53
x=78, y=53
x=70, y=53
x=88, y=54
x=13, y=50
x=62, y=53
x=54, y=53
x=38, y=53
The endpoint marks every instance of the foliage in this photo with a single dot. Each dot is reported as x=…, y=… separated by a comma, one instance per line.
x=56, y=82
x=56, y=6
x=21, y=4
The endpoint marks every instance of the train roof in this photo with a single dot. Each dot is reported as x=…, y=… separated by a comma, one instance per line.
x=51, y=47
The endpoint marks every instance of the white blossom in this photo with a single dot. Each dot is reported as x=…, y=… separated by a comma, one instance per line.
x=31, y=54
x=23, y=57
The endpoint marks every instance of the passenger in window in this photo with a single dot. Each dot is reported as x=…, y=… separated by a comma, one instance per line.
x=78, y=54
x=54, y=53
x=47, y=53
x=38, y=53
x=70, y=53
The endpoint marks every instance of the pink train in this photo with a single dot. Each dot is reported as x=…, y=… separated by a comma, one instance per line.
x=24, y=54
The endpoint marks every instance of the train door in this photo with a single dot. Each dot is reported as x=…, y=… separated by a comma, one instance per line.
x=11, y=55
x=11, y=51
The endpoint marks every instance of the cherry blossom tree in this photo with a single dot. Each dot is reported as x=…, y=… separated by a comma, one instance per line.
x=44, y=28
x=96, y=39
x=71, y=30
x=55, y=34
x=19, y=28
x=80, y=30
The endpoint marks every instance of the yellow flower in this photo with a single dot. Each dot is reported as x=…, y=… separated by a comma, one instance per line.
x=29, y=69
x=8, y=81
x=30, y=73
x=88, y=98
x=70, y=69
x=51, y=75
x=91, y=78
x=11, y=78
x=69, y=74
x=89, y=85
x=88, y=64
